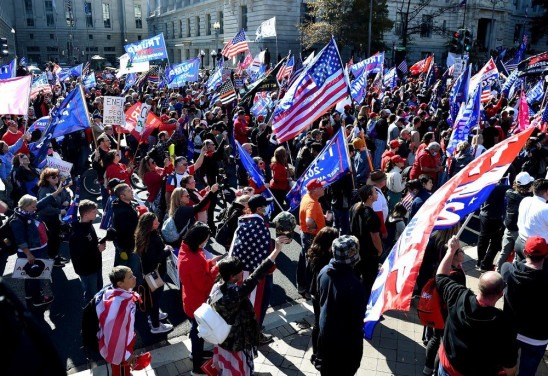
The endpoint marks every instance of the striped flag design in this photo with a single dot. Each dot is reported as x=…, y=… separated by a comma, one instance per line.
x=237, y=45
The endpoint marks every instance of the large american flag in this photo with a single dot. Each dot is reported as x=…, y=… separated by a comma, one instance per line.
x=227, y=92
x=237, y=45
x=320, y=86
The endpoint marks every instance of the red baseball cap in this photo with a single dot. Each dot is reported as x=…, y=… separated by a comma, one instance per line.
x=398, y=159
x=536, y=246
x=314, y=184
x=394, y=144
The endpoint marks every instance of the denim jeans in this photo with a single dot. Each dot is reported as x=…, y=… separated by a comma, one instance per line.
x=530, y=357
x=489, y=241
x=380, y=147
x=508, y=242
x=91, y=284
x=32, y=286
x=197, y=345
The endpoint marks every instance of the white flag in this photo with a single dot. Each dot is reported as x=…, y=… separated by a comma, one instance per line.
x=266, y=29
x=133, y=68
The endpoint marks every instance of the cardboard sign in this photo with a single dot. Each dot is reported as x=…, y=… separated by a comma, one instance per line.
x=172, y=271
x=142, y=117
x=113, y=111
x=19, y=270
x=63, y=166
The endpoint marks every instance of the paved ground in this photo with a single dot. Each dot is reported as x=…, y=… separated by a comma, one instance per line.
x=396, y=348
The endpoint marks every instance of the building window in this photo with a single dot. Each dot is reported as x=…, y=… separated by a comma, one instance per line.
x=106, y=15
x=220, y=17
x=50, y=19
x=244, y=17
x=52, y=36
x=31, y=36
x=108, y=36
x=180, y=28
x=89, y=14
x=188, y=27
x=110, y=49
x=90, y=36
x=138, y=17
x=138, y=37
x=52, y=49
x=426, y=26
x=173, y=29
x=208, y=24
x=33, y=49
x=30, y=21
x=197, y=24
x=28, y=7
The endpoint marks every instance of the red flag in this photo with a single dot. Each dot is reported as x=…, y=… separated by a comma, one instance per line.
x=421, y=66
x=132, y=114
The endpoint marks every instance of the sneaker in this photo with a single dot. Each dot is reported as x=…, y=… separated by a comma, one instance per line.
x=58, y=263
x=163, y=316
x=206, y=354
x=305, y=294
x=197, y=371
x=45, y=300
x=62, y=259
x=162, y=328
x=265, y=338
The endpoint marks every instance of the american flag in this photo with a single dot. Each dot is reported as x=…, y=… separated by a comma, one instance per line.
x=237, y=45
x=321, y=86
x=286, y=70
x=85, y=69
x=247, y=61
x=40, y=83
x=485, y=94
x=227, y=92
x=403, y=66
x=513, y=63
x=153, y=74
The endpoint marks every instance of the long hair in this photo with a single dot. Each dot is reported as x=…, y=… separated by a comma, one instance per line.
x=45, y=174
x=144, y=166
x=280, y=156
x=143, y=232
x=175, y=200
x=321, y=245
x=441, y=237
x=196, y=235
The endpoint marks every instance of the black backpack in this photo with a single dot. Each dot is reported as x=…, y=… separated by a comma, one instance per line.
x=7, y=240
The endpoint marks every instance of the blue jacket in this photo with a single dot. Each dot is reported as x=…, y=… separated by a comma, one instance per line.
x=5, y=159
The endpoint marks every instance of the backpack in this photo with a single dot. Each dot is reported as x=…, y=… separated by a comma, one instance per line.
x=430, y=307
x=7, y=239
x=211, y=325
x=90, y=326
x=169, y=230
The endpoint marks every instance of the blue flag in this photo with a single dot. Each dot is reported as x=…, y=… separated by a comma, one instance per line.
x=9, y=70
x=89, y=81
x=75, y=71
x=536, y=93
x=23, y=61
x=250, y=166
x=459, y=92
x=510, y=80
x=131, y=79
x=329, y=166
x=178, y=74
x=72, y=213
x=358, y=87
x=374, y=64
x=467, y=119
x=215, y=80
x=153, y=48
x=71, y=116
x=262, y=106
x=40, y=124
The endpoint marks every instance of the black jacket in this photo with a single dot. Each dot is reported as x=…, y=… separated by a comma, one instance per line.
x=513, y=200
x=124, y=221
x=84, y=254
x=525, y=299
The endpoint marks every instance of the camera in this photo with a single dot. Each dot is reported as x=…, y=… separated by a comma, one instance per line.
x=221, y=178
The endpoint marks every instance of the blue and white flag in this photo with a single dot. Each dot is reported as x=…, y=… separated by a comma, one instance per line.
x=467, y=119
x=374, y=64
x=329, y=166
x=72, y=213
x=23, y=61
x=515, y=86
x=178, y=74
x=131, y=79
x=71, y=116
x=215, y=80
x=358, y=87
x=261, y=106
x=39, y=124
x=8, y=70
x=389, y=80
x=459, y=92
x=75, y=71
x=512, y=64
x=536, y=93
x=147, y=49
x=250, y=166
x=89, y=81
x=510, y=80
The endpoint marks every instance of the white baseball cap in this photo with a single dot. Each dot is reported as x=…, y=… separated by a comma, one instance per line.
x=523, y=178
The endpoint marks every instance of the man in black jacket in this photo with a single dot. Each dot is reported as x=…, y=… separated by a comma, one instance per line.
x=525, y=301
x=479, y=338
x=124, y=221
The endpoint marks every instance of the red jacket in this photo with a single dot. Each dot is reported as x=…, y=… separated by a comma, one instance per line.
x=197, y=276
x=279, y=177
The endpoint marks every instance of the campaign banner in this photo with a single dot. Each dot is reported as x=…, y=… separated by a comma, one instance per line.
x=127, y=66
x=534, y=65
x=153, y=48
x=64, y=167
x=178, y=74
x=19, y=270
x=374, y=64
x=113, y=110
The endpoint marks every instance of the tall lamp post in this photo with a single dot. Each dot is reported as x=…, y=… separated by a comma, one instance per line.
x=202, y=55
x=213, y=56
x=14, y=40
x=216, y=28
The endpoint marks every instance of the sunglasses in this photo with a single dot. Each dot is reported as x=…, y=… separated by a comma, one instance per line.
x=261, y=163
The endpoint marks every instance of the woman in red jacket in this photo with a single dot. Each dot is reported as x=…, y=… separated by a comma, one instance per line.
x=197, y=276
x=115, y=169
x=152, y=177
x=279, y=184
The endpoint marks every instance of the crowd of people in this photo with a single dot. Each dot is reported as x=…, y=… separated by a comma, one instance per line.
x=397, y=142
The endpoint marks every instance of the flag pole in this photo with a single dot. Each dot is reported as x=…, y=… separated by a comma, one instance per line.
x=468, y=218
x=276, y=201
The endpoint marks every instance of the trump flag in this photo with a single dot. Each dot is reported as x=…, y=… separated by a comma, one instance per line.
x=461, y=195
